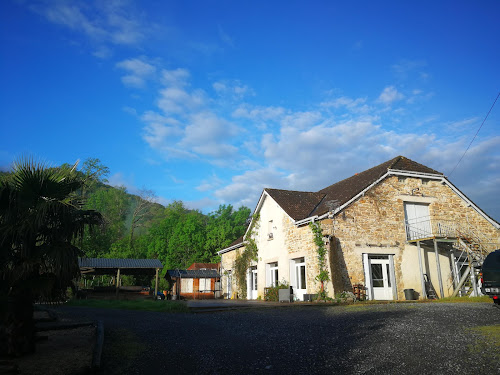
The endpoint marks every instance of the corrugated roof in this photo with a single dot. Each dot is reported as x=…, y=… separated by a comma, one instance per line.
x=118, y=263
x=199, y=266
x=193, y=274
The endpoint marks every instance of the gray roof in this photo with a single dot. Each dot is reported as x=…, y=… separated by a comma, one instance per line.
x=118, y=263
x=193, y=274
x=300, y=205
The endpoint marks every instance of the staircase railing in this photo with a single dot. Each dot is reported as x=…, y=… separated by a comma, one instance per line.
x=470, y=248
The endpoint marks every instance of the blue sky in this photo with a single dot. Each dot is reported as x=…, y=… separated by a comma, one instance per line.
x=211, y=101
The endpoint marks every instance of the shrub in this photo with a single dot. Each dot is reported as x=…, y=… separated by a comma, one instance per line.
x=272, y=293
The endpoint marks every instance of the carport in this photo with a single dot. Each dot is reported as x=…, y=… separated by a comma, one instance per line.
x=118, y=267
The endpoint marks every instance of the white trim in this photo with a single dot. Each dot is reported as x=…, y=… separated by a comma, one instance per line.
x=307, y=220
x=234, y=247
x=416, y=199
x=431, y=176
x=392, y=269
x=368, y=276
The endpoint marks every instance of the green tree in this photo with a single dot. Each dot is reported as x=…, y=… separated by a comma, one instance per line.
x=113, y=204
x=94, y=173
x=224, y=226
x=142, y=212
x=41, y=217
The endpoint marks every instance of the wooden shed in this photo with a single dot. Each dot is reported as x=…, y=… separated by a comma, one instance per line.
x=195, y=283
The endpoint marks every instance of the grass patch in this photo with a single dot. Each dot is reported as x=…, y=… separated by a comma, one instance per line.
x=487, y=342
x=461, y=299
x=144, y=305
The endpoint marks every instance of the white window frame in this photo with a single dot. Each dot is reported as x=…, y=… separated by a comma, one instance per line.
x=273, y=274
x=187, y=285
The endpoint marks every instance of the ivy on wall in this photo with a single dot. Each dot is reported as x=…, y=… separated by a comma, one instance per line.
x=323, y=275
x=249, y=254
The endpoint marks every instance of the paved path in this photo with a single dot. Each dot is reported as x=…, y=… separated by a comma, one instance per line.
x=360, y=339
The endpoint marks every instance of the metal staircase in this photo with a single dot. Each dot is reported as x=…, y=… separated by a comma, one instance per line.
x=468, y=249
x=469, y=253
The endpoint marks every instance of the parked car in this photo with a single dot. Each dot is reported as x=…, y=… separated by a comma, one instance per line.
x=491, y=276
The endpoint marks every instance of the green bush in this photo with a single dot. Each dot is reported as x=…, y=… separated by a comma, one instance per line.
x=272, y=293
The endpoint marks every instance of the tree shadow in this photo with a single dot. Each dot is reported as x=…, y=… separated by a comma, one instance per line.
x=339, y=272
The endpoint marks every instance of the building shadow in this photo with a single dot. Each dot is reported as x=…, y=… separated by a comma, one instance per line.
x=339, y=273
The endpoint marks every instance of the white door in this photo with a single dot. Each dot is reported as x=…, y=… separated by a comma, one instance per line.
x=299, y=278
x=229, y=284
x=273, y=274
x=381, y=277
x=253, y=283
x=418, y=223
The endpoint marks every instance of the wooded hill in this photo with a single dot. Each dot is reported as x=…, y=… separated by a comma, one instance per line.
x=136, y=226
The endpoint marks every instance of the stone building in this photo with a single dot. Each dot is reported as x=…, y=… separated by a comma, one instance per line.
x=394, y=227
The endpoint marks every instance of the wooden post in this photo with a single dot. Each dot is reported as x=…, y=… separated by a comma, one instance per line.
x=438, y=264
x=156, y=284
x=117, y=282
x=454, y=269
x=424, y=294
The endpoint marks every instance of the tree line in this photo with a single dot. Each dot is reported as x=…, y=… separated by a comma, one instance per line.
x=136, y=226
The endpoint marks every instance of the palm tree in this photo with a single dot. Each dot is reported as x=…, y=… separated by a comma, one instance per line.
x=41, y=218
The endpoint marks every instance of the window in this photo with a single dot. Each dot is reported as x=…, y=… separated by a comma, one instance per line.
x=205, y=285
x=273, y=274
x=377, y=276
x=300, y=273
x=254, y=278
x=418, y=223
x=186, y=285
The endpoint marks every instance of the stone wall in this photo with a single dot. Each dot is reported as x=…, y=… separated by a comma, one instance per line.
x=299, y=242
x=375, y=224
x=227, y=266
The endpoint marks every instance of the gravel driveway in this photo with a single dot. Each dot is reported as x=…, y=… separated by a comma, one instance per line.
x=432, y=338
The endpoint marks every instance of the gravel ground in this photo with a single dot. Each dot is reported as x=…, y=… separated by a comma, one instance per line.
x=433, y=338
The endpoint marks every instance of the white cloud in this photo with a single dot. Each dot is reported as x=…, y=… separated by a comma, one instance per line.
x=390, y=95
x=209, y=184
x=245, y=189
x=305, y=150
x=138, y=71
x=184, y=126
x=344, y=102
x=176, y=77
x=137, y=66
x=259, y=113
x=106, y=23
x=232, y=89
